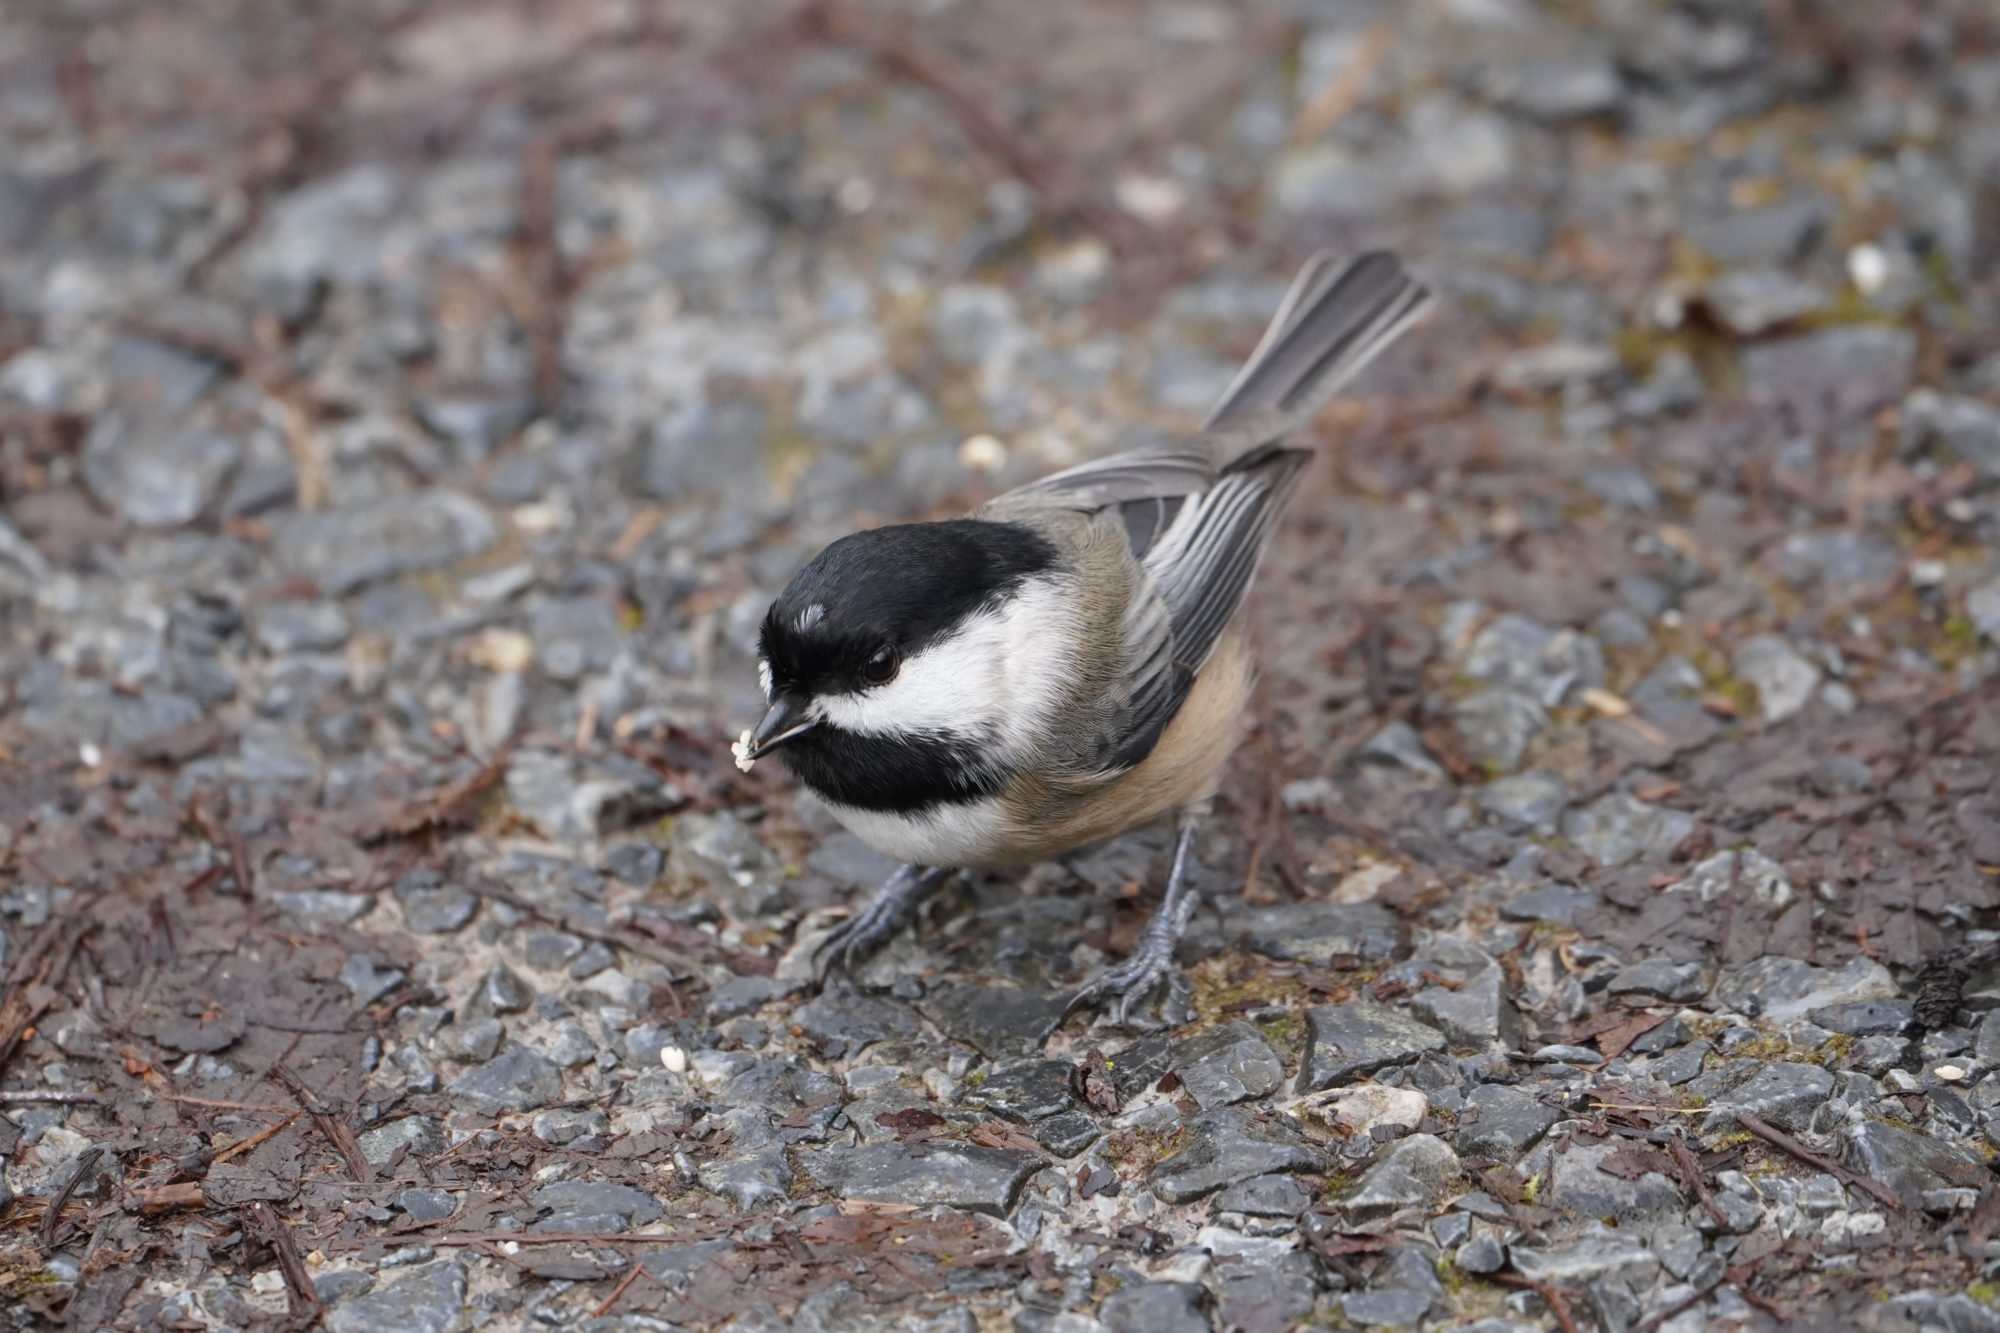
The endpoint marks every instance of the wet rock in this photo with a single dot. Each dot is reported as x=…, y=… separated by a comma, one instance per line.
x=1227, y=1064
x=1557, y=90
x=1749, y=876
x=1750, y=301
x=997, y=1021
x=1518, y=653
x=1866, y=1018
x=1344, y=1041
x=516, y=1080
x=967, y=1176
x=502, y=992
x=1262, y=1297
x=1662, y=978
x=1618, y=828
x=1982, y=606
x=1785, y=990
x=1911, y=1163
x=1501, y=1122
x=1474, y=1010
x=294, y=627
x=1785, y=1094
x=1228, y=1145
x=1967, y=427
x=424, y=1205
x=575, y=799
x=431, y=906
x=1316, y=931
x=418, y=1135
x=841, y=1021
x=368, y=982
x=1767, y=234
x=750, y=1168
x=1024, y=1091
x=1594, y=1257
x=593, y=1205
x=428, y=1299
x=1482, y=1254
x=726, y=857
x=1578, y=1186
x=1834, y=375
x=736, y=996
x=342, y=550
x=1413, y=1173
x=153, y=474
x=471, y=1041
x=1558, y=903
x=1396, y=743
x=1496, y=726
x=1532, y=800
x=1265, y=1196
x=1156, y=1307
x=1067, y=1134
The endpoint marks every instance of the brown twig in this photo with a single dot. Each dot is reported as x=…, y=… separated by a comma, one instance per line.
x=631, y=1276
x=1552, y=1297
x=1691, y=1175
x=241, y=1146
x=1777, y=1138
x=331, y=1125
x=167, y=1198
x=86, y=1162
x=300, y=1297
x=449, y=808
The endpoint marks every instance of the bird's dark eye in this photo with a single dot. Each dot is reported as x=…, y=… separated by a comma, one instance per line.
x=882, y=667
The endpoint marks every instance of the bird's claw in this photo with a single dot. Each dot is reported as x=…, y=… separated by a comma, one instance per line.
x=861, y=934
x=1150, y=967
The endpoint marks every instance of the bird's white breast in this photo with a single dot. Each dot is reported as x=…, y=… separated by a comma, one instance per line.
x=956, y=834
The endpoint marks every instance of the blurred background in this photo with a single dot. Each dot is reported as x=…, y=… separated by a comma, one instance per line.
x=407, y=409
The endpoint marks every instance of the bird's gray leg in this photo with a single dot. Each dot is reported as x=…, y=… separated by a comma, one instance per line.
x=880, y=917
x=1152, y=961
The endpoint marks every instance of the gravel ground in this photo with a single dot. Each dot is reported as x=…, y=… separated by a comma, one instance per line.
x=406, y=410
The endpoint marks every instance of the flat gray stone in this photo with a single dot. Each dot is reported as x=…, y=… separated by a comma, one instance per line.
x=1412, y=1173
x=1345, y=1041
x=424, y=1300
x=420, y=1134
x=1619, y=828
x=1501, y=1122
x=1312, y=932
x=1156, y=1307
x=1784, y=1093
x=954, y=1175
x=1576, y=1185
x=593, y=1205
x=515, y=1080
x=1783, y=677
x=1786, y=990
x=1227, y=1064
x=997, y=1021
x=1024, y=1091
x=1228, y=1145
x=1662, y=978
x=1911, y=1163
x=841, y=1022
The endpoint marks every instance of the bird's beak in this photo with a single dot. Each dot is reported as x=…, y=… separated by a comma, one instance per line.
x=784, y=721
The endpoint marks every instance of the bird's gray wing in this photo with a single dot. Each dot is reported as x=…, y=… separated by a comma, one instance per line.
x=1198, y=528
x=1144, y=490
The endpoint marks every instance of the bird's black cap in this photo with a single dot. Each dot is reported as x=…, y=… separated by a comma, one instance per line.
x=898, y=587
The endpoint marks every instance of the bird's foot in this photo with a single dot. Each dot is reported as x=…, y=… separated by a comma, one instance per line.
x=1151, y=968
x=871, y=925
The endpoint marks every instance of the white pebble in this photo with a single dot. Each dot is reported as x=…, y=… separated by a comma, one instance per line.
x=675, y=1059
x=1950, y=1073
x=1868, y=267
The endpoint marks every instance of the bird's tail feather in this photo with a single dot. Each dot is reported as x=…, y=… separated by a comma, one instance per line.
x=1333, y=321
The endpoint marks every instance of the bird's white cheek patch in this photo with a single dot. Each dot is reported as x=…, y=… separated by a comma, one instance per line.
x=998, y=678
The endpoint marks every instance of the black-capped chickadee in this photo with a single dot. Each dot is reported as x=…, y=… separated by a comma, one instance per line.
x=1063, y=664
